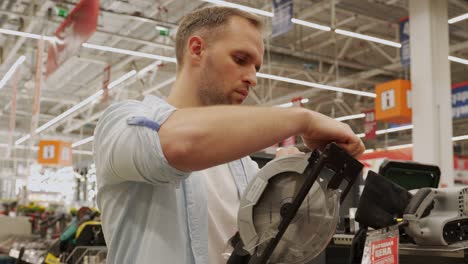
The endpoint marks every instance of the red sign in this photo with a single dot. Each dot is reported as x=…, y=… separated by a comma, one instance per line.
x=384, y=251
x=460, y=163
x=370, y=125
x=79, y=26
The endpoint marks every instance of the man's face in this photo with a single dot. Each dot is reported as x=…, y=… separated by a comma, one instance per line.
x=230, y=64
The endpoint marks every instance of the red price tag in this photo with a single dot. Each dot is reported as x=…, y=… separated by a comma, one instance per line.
x=384, y=251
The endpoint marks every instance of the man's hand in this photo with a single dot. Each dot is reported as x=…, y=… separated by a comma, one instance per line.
x=286, y=151
x=322, y=130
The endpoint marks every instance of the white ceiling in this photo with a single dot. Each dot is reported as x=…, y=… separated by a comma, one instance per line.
x=303, y=53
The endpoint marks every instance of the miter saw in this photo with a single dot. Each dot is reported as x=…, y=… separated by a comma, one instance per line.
x=289, y=212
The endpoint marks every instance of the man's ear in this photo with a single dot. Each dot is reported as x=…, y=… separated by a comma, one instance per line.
x=196, y=47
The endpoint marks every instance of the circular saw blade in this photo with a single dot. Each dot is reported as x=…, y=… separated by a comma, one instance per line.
x=312, y=227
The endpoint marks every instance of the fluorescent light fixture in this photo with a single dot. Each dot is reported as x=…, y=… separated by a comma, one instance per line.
x=86, y=101
x=369, y=151
x=458, y=18
x=349, y=117
x=400, y=146
x=36, y=148
x=82, y=152
x=82, y=142
x=129, y=52
x=315, y=85
x=390, y=130
x=241, y=7
x=148, y=68
x=303, y=101
x=310, y=24
x=285, y=105
x=121, y=79
x=161, y=28
x=458, y=138
x=27, y=35
x=459, y=60
x=395, y=129
x=369, y=38
x=11, y=71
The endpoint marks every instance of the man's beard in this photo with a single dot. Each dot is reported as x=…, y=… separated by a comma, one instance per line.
x=210, y=91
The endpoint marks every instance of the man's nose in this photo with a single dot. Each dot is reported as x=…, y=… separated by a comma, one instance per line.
x=251, y=77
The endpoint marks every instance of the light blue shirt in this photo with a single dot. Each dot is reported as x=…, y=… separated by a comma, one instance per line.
x=151, y=212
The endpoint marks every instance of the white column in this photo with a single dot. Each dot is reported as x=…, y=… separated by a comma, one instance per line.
x=431, y=86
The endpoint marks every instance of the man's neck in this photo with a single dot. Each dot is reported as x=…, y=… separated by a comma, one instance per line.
x=184, y=91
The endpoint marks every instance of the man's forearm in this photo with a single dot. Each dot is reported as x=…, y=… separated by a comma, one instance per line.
x=198, y=138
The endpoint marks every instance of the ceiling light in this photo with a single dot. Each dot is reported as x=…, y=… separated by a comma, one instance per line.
x=129, y=52
x=395, y=129
x=148, y=68
x=389, y=130
x=241, y=7
x=11, y=71
x=82, y=142
x=459, y=60
x=82, y=152
x=400, y=146
x=458, y=18
x=315, y=85
x=86, y=101
x=349, y=117
x=27, y=35
x=162, y=28
x=369, y=38
x=285, y=105
x=458, y=138
x=309, y=24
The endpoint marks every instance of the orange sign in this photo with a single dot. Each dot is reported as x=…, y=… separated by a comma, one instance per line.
x=393, y=102
x=55, y=153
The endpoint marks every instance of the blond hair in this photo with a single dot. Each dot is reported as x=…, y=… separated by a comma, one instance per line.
x=207, y=20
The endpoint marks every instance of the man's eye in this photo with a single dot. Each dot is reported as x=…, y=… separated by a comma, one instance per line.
x=240, y=60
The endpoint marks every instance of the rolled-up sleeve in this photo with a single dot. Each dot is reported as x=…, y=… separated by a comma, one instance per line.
x=127, y=145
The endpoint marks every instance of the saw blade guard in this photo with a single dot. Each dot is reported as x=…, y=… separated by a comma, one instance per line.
x=268, y=197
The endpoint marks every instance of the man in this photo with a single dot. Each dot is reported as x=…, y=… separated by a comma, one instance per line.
x=170, y=173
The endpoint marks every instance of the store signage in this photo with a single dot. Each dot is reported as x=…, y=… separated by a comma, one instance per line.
x=460, y=163
x=283, y=13
x=460, y=100
x=55, y=153
x=370, y=125
x=393, y=101
x=404, y=40
x=77, y=28
x=381, y=246
x=384, y=251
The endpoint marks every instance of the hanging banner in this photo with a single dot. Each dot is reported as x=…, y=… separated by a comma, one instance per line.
x=37, y=88
x=460, y=100
x=12, y=113
x=283, y=13
x=77, y=28
x=370, y=125
x=404, y=41
x=105, y=84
